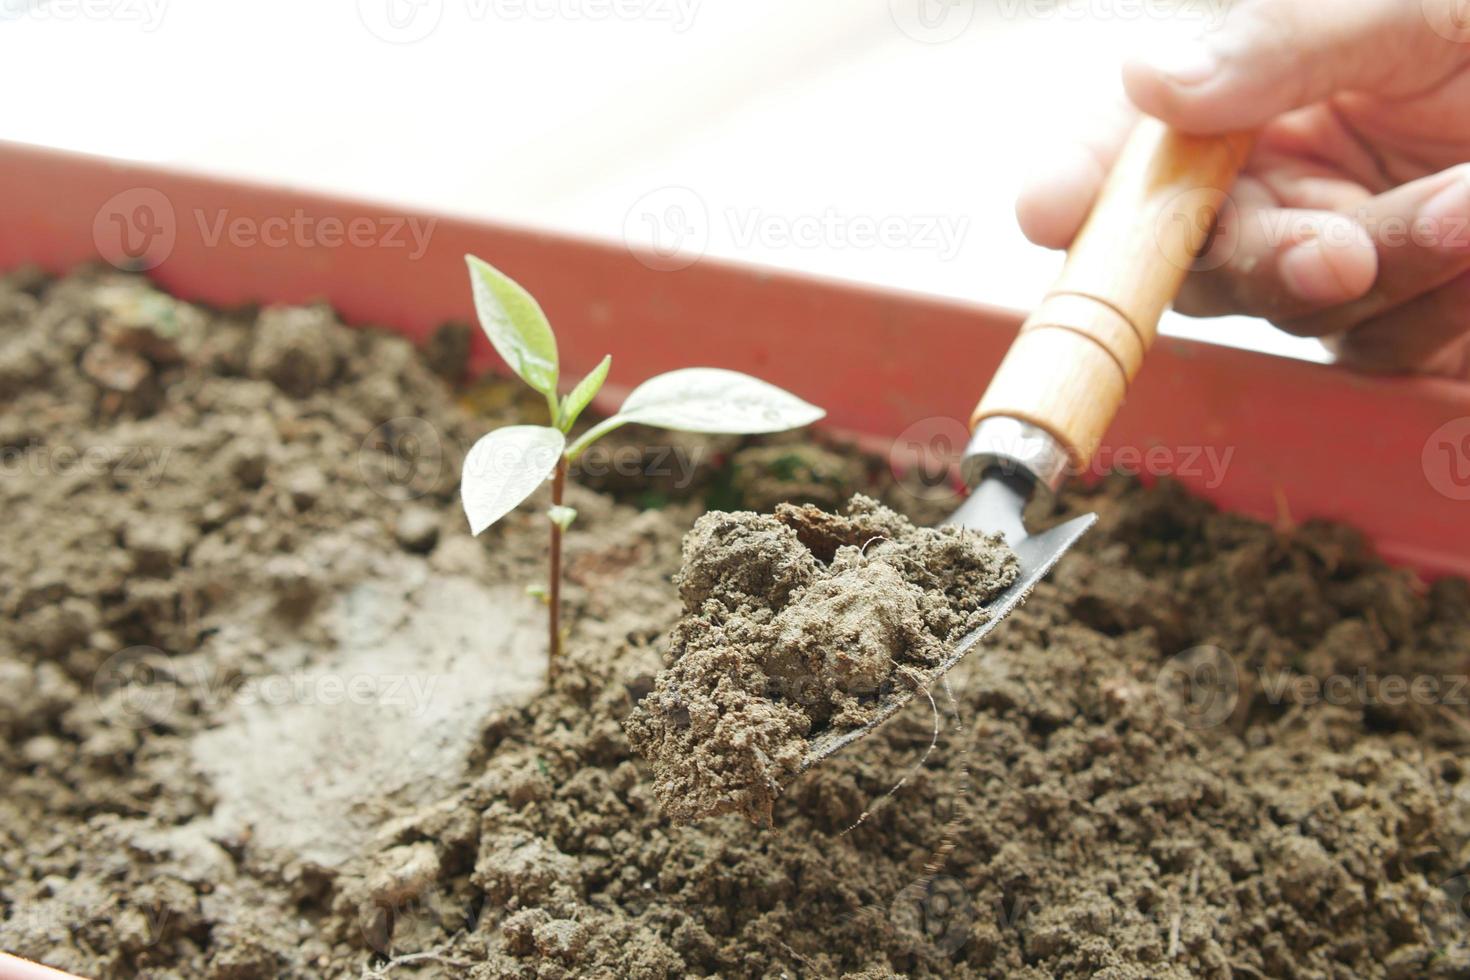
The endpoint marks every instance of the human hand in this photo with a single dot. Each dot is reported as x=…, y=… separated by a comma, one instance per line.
x=1351, y=220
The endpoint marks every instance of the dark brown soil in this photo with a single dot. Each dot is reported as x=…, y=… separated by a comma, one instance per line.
x=794, y=624
x=267, y=710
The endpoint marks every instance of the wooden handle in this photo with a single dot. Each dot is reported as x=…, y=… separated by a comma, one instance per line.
x=1069, y=368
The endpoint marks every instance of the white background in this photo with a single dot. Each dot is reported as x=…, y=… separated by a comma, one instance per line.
x=791, y=130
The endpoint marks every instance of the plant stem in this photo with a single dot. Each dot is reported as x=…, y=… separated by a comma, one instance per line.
x=553, y=598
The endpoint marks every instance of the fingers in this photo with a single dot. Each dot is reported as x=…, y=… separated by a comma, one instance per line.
x=1428, y=334
x=1279, y=262
x=1266, y=58
x=1296, y=180
x=1265, y=260
x=1058, y=195
x=1421, y=234
x=1270, y=56
x=1332, y=262
x=1052, y=204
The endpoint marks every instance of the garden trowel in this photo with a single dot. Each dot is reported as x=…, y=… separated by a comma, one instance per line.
x=1066, y=373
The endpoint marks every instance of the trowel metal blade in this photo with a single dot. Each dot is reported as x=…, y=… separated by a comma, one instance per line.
x=995, y=505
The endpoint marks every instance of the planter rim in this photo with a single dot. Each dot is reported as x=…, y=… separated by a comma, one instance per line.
x=1292, y=439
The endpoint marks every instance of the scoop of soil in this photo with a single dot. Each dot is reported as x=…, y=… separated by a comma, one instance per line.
x=796, y=623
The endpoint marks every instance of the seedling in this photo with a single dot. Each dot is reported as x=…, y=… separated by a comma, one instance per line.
x=507, y=465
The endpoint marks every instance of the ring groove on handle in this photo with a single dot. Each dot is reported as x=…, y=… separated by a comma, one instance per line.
x=1099, y=322
x=1144, y=339
x=1069, y=368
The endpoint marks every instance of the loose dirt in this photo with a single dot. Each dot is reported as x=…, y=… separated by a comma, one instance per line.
x=795, y=624
x=269, y=711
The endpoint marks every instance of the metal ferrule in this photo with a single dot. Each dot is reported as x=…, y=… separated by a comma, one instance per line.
x=1014, y=446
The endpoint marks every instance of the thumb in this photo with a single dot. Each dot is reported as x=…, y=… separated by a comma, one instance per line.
x=1270, y=56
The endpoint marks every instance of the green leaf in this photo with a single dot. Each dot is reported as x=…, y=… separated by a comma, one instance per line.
x=579, y=397
x=561, y=516
x=716, y=401
x=517, y=328
x=504, y=468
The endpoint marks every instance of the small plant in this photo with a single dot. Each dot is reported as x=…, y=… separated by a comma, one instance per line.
x=507, y=465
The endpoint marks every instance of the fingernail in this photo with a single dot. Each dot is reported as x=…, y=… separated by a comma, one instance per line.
x=1444, y=216
x=1184, y=63
x=1307, y=273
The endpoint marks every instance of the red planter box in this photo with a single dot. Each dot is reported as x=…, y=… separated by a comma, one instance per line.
x=1258, y=434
